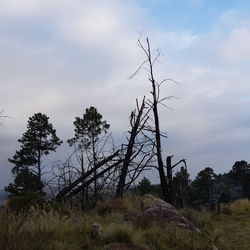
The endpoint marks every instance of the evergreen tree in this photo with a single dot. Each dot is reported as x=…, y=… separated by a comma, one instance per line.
x=88, y=129
x=40, y=139
x=180, y=184
x=144, y=186
x=241, y=175
x=202, y=188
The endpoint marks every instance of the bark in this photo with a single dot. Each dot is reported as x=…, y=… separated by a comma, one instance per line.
x=91, y=180
x=157, y=126
x=170, y=168
x=129, y=152
x=170, y=180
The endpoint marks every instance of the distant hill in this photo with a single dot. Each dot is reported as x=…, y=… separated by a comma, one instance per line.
x=3, y=196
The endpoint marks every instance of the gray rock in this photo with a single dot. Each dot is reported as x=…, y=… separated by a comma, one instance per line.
x=157, y=210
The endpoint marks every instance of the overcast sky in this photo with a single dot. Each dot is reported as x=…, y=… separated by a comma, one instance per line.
x=59, y=57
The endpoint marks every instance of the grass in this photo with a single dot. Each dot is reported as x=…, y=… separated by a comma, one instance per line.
x=64, y=229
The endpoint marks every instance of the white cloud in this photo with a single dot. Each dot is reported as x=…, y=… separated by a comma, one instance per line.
x=236, y=46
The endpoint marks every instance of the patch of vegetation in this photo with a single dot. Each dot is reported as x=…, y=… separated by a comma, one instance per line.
x=67, y=228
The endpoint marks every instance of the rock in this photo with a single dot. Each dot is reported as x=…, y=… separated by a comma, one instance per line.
x=214, y=247
x=125, y=246
x=157, y=210
x=96, y=231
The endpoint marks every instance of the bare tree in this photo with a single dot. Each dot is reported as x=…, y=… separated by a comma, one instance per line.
x=84, y=177
x=153, y=103
x=170, y=167
x=138, y=120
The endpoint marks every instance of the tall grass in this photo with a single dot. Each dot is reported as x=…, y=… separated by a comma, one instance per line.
x=66, y=228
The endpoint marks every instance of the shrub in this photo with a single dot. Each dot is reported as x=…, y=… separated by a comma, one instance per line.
x=24, y=201
x=123, y=233
x=103, y=207
x=200, y=218
x=122, y=205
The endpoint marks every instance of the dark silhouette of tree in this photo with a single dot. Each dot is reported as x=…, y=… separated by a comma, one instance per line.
x=144, y=186
x=137, y=147
x=202, y=187
x=170, y=167
x=39, y=140
x=88, y=130
x=25, y=181
x=153, y=104
x=241, y=174
x=180, y=187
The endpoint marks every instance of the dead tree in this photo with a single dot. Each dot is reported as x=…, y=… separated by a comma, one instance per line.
x=153, y=104
x=137, y=122
x=83, y=177
x=170, y=168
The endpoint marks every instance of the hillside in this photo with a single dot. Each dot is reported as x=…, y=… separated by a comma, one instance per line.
x=67, y=228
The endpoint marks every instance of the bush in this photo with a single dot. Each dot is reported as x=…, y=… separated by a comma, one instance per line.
x=103, y=208
x=123, y=233
x=122, y=205
x=200, y=218
x=24, y=201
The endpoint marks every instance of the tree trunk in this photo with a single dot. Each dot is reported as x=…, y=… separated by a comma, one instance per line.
x=157, y=127
x=67, y=189
x=129, y=152
x=170, y=179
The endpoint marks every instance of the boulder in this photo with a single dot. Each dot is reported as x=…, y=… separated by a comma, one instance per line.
x=157, y=210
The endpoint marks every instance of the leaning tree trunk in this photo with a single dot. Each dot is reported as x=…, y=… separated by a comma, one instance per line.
x=129, y=151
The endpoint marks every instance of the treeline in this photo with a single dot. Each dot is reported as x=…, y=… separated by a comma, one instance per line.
x=207, y=189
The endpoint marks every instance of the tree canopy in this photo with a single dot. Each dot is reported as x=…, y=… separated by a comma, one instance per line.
x=39, y=140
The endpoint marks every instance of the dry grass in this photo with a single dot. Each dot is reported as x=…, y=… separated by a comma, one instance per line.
x=65, y=228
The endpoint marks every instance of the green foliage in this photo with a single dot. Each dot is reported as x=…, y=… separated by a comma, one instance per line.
x=87, y=137
x=39, y=140
x=241, y=174
x=180, y=187
x=123, y=233
x=144, y=186
x=49, y=229
x=25, y=181
x=88, y=128
x=25, y=200
x=175, y=238
x=201, y=189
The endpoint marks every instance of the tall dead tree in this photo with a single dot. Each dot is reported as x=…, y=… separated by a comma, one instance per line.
x=155, y=91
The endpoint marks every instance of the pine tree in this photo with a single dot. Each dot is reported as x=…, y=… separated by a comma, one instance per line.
x=144, y=186
x=39, y=140
x=87, y=135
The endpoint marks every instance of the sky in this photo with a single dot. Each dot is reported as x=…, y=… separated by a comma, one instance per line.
x=59, y=57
